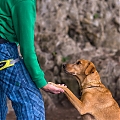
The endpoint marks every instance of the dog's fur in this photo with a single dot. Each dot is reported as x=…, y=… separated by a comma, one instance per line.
x=96, y=102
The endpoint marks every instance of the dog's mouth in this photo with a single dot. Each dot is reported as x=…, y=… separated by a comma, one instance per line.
x=67, y=72
x=71, y=73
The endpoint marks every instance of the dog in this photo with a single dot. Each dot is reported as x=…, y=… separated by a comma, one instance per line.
x=96, y=101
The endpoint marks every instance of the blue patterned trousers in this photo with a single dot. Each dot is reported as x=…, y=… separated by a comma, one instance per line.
x=16, y=84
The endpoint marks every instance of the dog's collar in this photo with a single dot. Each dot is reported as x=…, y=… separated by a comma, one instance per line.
x=91, y=85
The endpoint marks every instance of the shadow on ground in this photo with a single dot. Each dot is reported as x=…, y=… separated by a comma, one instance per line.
x=59, y=114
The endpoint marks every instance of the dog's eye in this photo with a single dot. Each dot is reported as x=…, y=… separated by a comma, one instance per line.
x=78, y=62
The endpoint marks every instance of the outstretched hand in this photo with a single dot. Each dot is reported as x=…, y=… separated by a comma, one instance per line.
x=53, y=89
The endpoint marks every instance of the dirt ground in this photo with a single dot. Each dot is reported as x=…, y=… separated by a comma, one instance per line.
x=59, y=114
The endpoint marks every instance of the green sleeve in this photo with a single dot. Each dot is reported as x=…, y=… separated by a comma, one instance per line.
x=23, y=16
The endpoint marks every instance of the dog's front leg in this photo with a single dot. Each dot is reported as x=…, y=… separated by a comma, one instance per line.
x=73, y=99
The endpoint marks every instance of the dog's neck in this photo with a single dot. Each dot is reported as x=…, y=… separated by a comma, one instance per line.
x=89, y=81
x=80, y=79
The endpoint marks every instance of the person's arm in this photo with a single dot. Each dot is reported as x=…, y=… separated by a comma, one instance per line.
x=23, y=16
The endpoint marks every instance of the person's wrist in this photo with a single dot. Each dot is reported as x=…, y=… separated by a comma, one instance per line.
x=45, y=88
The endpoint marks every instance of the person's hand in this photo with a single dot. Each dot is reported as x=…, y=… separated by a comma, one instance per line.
x=52, y=89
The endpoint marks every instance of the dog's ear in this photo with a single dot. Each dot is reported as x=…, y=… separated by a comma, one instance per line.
x=90, y=69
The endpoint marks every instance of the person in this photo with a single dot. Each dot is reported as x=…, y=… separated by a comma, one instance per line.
x=21, y=79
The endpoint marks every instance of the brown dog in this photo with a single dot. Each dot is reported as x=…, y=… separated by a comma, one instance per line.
x=96, y=101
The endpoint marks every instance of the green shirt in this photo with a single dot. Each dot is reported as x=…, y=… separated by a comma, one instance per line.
x=17, y=21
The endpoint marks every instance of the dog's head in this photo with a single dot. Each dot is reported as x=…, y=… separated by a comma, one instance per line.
x=82, y=69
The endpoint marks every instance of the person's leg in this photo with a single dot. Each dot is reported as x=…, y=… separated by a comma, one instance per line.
x=3, y=97
x=3, y=105
x=25, y=96
x=27, y=101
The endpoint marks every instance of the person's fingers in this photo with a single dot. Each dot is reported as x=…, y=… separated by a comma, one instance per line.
x=61, y=85
x=58, y=90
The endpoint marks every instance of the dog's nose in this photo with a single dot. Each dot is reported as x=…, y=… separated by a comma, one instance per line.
x=64, y=66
